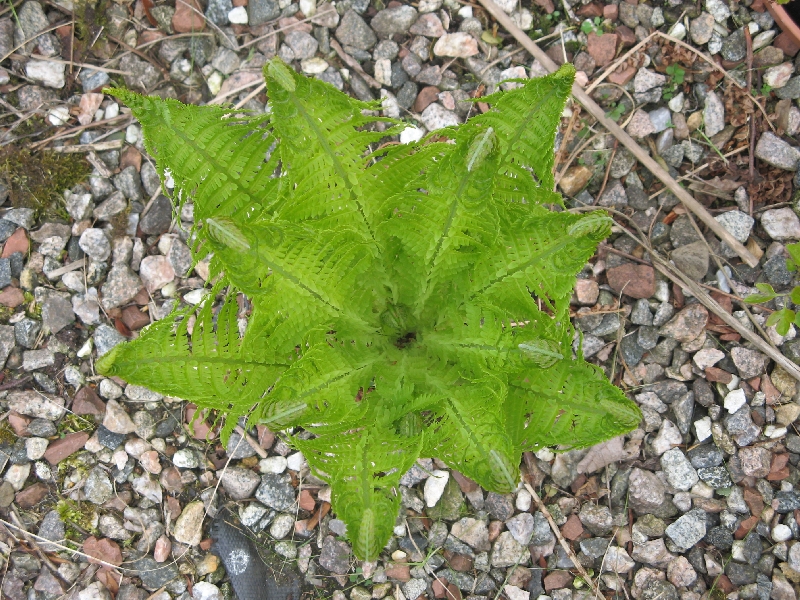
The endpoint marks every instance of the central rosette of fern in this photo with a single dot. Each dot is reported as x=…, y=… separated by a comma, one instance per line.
x=399, y=326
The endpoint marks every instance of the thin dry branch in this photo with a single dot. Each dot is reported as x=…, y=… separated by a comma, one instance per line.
x=353, y=64
x=641, y=155
x=564, y=543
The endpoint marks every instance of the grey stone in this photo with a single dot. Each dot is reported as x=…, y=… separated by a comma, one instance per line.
x=57, y=313
x=521, y=527
x=701, y=28
x=692, y=260
x=776, y=271
x=335, y=556
x=30, y=20
x=141, y=75
x=394, y=20
x=217, y=11
x=688, y=529
x=741, y=427
x=353, y=31
x=720, y=537
x=26, y=332
x=98, y=488
x=95, y=243
x=261, y=11
x=646, y=492
x=52, y=528
x=705, y=456
x=153, y=575
x=750, y=363
x=239, y=483
x=120, y=287
x=790, y=91
x=276, y=491
x=713, y=114
x=302, y=44
x=646, y=80
x=105, y=338
x=776, y=152
x=733, y=46
x=679, y=471
x=737, y=223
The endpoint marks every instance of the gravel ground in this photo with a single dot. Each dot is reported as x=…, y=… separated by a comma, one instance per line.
x=699, y=503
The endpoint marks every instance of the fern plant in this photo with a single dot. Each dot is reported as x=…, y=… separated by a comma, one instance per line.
x=407, y=301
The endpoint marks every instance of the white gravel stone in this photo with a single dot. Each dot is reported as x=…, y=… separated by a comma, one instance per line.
x=776, y=77
x=295, y=461
x=17, y=474
x=735, y=400
x=515, y=593
x=617, y=560
x=411, y=134
x=436, y=116
x=314, y=65
x=458, y=45
x=702, y=428
x=49, y=74
x=202, y=590
x=434, y=487
x=707, y=357
x=95, y=243
x=281, y=526
x=238, y=15
x=781, y=533
x=35, y=447
x=272, y=464
x=58, y=116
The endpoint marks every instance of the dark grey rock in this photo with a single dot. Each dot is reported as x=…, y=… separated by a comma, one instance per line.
x=733, y=46
x=153, y=574
x=791, y=91
x=52, y=528
x=631, y=351
x=6, y=229
x=741, y=427
x=705, y=456
x=57, y=313
x=682, y=232
x=776, y=272
x=499, y=506
x=142, y=76
x=740, y=574
x=720, y=537
x=158, y=218
x=42, y=428
x=109, y=439
x=659, y=590
x=787, y=501
x=26, y=331
x=716, y=477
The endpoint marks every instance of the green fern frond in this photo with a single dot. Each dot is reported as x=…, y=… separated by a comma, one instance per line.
x=407, y=300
